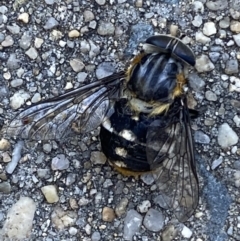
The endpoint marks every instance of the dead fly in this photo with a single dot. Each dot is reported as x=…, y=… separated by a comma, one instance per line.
x=144, y=119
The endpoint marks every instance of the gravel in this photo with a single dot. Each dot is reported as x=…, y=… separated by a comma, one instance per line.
x=66, y=190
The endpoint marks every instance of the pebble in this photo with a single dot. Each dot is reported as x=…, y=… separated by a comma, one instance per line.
x=25, y=41
x=226, y=136
x=24, y=17
x=237, y=39
x=100, y=2
x=236, y=119
x=96, y=236
x=201, y=137
x=147, y=178
x=214, y=56
x=3, y=9
x=14, y=29
x=105, y=28
x=204, y=64
x=217, y=5
x=169, y=233
x=38, y=43
x=51, y=23
x=5, y=157
x=49, y=2
x=196, y=82
x=88, y=15
x=50, y=193
x=216, y=163
x=36, y=98
x=235, y=84
x=108, y=214
x=18, y=99
x=132, y=224
x=211, y=96
x=32, y=53
x=4, y=145
x=104, y=69
x=235, y=26
x=186, y=232
x=201, y=38
x=197, y=21
x=19, y=219
x=8, y=41
x=5, y=187
x=144, y=206
x=60, y=162
x=209, y=28
x=153, y=220
x=121, y=207
x=98, y=157
x=72, y=231
x=74, y=34
x=81, y=76
x=16, y=82
x=16, y=156
x=62, y=219
x=224, y=23
x=231, y=67
x=77, y=65
x=198, y=7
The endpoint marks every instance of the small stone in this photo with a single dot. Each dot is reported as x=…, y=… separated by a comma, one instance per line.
x=224, y=23
x=104, y=69
x=214, y=56
x=237, y=39
x=24, y=17
x=235, y=26
x=18, y=224
x=186, y=232
x=226, y=136
x=32, y=53
x=81, y=76
x=108, y=214
x=196, y=82
x=18, y=99
x=38, y=43
x=25, y=41
x=50, y=193
x=153, y=220
x=216, y=163
x=201, y=38
x=36, y=98
x=13, y=62
x=147, y=178
x=201, y=137
x=6, y=157
x=204, y=64
x=73, y=231
x=236, y=119
x=14, y=29
x=132, y=224
x=169, y=233
x=88, y=15
x=96, y=236
x=100, y=2
x=77, y=65
x=98, y=157
x=210, y=95
x=217, y=5
x=197, y=21
x=62, y=219
x=51, y=23
x=121, y=207
x=209, y=28
x=8, y=41
x=231, y=67
x=3, y=9
x=16, y=82
x=144, y=206
x=60, y=162
x=50, y=2
x=105, y=28
x=198, y=7
x=5, y=187
x=73, y=34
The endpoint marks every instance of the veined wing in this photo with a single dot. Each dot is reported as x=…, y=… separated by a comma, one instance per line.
x=170, y=152
x=80, y=110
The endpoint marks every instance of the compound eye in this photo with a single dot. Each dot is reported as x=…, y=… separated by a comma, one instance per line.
x=173, y=46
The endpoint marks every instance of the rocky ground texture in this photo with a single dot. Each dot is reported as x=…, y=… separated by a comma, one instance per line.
x=67, y=191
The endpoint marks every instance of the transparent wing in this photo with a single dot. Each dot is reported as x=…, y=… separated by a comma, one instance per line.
x=80, y=110
x=170, y=151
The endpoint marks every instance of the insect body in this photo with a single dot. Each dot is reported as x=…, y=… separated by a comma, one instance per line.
x=145, y=123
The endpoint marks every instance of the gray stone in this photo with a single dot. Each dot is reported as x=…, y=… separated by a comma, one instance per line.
x=153, y=220
x=231, y=66
x=51, y=23
x=226, y=136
